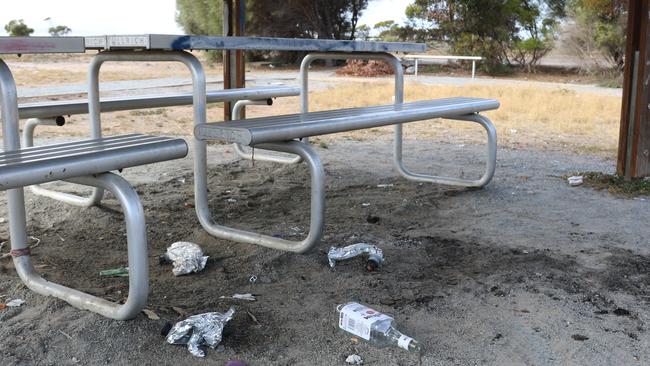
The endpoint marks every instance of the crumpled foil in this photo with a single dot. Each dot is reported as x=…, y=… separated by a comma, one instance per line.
x=198, y=330
x=187, y=257
x=338, y=254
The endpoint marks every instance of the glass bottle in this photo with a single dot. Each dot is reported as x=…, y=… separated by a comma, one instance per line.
x=375, y=327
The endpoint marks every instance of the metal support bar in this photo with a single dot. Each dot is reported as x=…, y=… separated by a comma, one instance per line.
x=490, y=164
x=198, y=104
x=317, y=206
x=136, y=236
x=94, y=106
x=390, y=59
x=473, y=68
x=259, y=155
x=134, y=214
x=28, y=141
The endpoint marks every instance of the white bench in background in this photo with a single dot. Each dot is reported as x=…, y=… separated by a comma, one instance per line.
x=420, y=58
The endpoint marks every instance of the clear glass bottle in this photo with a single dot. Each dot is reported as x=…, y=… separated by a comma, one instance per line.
x=375, y=327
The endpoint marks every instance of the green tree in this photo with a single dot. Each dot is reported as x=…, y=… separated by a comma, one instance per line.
x=597, y=32
x=363, y=32
x=324, y=19
x=59, y=30
x=388, y=31
x=18, y=28
x=200, y=16
x=204, y=17
x=504, y=32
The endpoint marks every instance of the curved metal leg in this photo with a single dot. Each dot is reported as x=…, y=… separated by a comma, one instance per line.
x=317, y=204
x=489, y=167
x=260, y=155
x=137, y=254
x=28, y=140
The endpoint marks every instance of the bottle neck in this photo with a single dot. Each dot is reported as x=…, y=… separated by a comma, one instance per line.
x=401, y=340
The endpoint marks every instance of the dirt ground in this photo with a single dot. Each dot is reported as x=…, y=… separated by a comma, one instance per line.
x=526, y=271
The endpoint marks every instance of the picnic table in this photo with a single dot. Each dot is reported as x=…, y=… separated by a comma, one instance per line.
x=89, y=162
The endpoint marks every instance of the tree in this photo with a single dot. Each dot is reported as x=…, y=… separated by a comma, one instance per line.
x=59, y=30
x=597, y=32
x=363, y=32
x=323, y=19
x=388, y=31
x=502, y=31
x=201, y=17
x=18, y=28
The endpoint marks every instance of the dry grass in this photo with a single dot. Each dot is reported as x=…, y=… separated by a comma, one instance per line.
x=616, y=184
x=528, y=117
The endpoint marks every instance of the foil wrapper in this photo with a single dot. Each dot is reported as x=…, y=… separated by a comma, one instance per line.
x=187, y=257
x=338, y=254
x=199, y=330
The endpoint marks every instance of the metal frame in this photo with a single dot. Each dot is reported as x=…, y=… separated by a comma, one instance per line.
x=317, y=210
x=490, y=164
x=200, y=153
x=134, y=217
x=398, y=161
x=42, y=115
x=261, y=155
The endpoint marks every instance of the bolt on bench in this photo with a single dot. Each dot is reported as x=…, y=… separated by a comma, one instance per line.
x=278, y=133
x=86, y=162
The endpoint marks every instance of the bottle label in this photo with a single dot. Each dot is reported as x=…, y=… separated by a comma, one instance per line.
x=404, y=341
x=359, y=320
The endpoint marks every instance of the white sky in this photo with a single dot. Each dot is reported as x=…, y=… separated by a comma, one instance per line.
x=97, y=17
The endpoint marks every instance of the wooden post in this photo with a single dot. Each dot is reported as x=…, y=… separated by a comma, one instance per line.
x=634, y=135
x=234, y=19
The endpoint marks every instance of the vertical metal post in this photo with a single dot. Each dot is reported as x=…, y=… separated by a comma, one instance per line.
x=416, y=67
x=234, y=19
x=634, y=136
x=473, y=68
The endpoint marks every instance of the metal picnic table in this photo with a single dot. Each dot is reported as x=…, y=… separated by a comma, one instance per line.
x=157, y=47
x=164, y=48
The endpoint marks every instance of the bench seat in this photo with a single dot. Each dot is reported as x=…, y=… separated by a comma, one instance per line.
x=288, y=127
x=40, y=164
x=80, y=106
x=280, y=134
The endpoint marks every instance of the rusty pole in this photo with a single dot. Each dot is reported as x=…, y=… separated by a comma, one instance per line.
x=634, y=134
x=234, y=21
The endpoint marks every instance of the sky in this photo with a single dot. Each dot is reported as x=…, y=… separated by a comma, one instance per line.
x=98, y=17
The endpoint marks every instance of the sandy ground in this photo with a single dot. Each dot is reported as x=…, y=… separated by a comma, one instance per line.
x=526, y=271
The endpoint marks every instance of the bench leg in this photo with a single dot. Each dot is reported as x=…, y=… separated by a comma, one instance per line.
x=259, y=155
x=490, y=162
x=136, y=242
x=317, y=204
x=28, y=140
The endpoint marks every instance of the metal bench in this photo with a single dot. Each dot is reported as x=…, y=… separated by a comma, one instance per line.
x=86, y=162
x=278, y=133
x=52, y=114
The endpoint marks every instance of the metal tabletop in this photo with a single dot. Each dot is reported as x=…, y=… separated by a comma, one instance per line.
x=185, y=42
x=29, y=45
